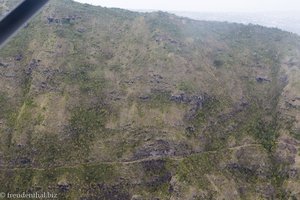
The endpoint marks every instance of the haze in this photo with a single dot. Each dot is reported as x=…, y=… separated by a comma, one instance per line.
x=201, y=5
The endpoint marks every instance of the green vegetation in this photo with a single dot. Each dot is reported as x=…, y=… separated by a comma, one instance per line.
x=186, y=86
x=218, y=63
x=4, y=106
x=265, y=133
x=192, y=170
x=85, y=123
x=296, y=134
x=211, y=107
x=99, y=173
x=108, y=103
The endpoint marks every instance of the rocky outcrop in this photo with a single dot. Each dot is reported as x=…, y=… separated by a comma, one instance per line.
x=18, y=57
x=260, y=79
x=161, y=148
x=5, y=65
x=32, y=66
x=63, y=186
x=63, y=20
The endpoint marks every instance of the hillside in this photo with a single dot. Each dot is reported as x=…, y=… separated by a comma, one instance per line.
x=99, y=103
x=7, y=5
x=288, y=21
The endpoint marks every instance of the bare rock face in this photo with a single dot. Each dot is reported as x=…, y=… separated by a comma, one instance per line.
x=18, y=57
x=161, y=148
x=63, y=186
x=250, y=161
x=262, y=79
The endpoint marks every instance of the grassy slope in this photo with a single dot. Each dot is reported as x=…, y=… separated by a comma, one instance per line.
x=148, y=105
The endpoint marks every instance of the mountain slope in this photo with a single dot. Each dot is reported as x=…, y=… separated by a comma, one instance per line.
x=101, y=103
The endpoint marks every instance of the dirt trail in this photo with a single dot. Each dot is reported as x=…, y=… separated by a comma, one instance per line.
x=176, y=158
